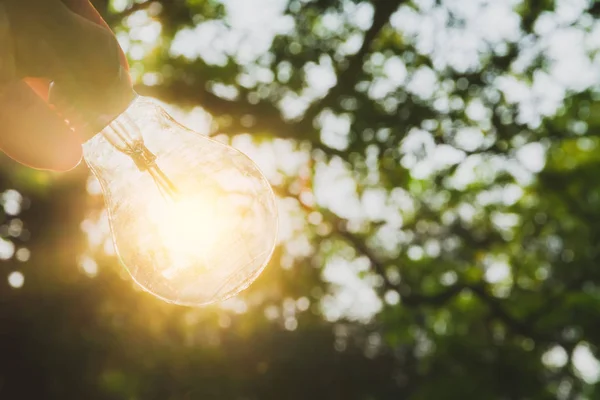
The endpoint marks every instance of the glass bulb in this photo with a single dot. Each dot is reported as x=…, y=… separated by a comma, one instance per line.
x=194, y=221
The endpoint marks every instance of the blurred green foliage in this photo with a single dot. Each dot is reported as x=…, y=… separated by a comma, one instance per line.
x=475, y=228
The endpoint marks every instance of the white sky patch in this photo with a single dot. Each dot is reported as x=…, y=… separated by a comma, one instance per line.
x=252, y=16
x=418, y=142
x=570, y=64
x=351, y=45
x=298, y=246
x=332, y=22
x=566, y=43
x=246, y=33
x=485, y=24
x=532, y=156
x=586, y=365
x=275, y=159
x=497, y=271
x=505, y=221
x=293, y=106
x=541, y=99
x=501, y=195
x=292, y=232
x=143, y=36
x=334, y=129
x=228, y=92
x=488, y=26
x=511, y=193
x=395, y=70
x=519, y=172
x=476, y=111
x=389, y=239
x=380, y=88
x=361, y=14
x=423, y=157
x=568, y=11
x=149, y=32
x=375, y=204
x=335, y=189
x=207, y=41
x=556, y=357
x=469, y=139
x=119, y=5
x=592, y=41
x=319, y=77
x=352, y=297
x=484, y=168
x=423, y=83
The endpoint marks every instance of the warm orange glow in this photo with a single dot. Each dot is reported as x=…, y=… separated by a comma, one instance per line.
x=192, y=228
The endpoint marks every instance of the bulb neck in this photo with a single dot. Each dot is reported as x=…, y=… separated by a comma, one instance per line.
x=125, y=135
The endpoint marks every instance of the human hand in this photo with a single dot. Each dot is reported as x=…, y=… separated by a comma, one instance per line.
x=65, y=42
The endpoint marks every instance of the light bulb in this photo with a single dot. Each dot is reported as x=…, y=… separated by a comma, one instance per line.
x=194, y=221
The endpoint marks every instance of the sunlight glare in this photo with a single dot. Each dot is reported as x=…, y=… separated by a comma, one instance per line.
x=191, y=228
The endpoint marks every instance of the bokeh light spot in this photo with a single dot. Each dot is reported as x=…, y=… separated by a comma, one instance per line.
x=16, y=279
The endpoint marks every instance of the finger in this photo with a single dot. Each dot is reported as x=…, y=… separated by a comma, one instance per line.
x=86, y=10
x=32, y=134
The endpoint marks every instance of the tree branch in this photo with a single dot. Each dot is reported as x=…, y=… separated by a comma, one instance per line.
x=438, y=299
x=269, y=118
x=500, y=312
x=345, y=79
x=267, y=121
x=409, y=297
x=359, y=244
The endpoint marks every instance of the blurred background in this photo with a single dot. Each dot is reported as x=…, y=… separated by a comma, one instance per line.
x=436, y=165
